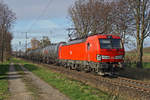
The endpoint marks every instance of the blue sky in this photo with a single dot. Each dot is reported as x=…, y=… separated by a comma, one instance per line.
x=53, y=20
x=40, y=18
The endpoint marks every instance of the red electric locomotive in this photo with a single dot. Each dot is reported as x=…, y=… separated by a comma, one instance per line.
x=103, y=54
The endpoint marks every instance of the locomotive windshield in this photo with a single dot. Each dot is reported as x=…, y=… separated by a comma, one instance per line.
x=110, y=43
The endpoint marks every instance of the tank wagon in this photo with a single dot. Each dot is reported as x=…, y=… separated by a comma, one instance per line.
x=50, y=53
x=102, y=54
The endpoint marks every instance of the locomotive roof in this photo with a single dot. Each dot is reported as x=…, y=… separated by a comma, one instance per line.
x=75, y=41
x=84, y=39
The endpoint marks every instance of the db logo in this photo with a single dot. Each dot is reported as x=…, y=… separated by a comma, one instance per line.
x=70, y=52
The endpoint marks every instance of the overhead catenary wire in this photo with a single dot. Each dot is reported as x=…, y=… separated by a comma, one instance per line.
x=41, y=15
x=36, y=20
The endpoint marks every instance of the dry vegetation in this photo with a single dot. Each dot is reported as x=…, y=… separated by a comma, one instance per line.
x=7, y=18
x=131, y=55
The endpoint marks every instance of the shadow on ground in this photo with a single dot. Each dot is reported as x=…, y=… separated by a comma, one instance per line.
x=136, y=73
x=4, y=68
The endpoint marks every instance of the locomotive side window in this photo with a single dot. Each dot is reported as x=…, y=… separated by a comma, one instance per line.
x=110, y=43
x=105, y=44
x=88, y=46
x=116, y=43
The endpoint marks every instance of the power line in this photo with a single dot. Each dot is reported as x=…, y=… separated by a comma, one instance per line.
x=42, y=13
x=48, y=31
x=36, y=20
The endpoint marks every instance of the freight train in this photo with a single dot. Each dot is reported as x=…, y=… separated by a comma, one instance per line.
x=103, y=54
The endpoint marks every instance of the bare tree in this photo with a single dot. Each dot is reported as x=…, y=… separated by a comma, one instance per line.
x=35, y=43
x=141, y=12
x=91, y=17
x=99, y=16
x=122, y=20
x=7, y=49
x=45, y=41
x=7, y=18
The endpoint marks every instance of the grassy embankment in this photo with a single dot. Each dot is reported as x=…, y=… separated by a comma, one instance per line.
x=132, y=72
x=75, y=90
x=131, y=56
x=4, y=68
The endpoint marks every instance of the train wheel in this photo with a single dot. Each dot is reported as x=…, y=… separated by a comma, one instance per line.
x=65, y=65
x=70, y=67
x=78, y=67
x=87, y=69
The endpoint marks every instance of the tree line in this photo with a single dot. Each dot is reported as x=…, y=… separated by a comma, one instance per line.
x=35, y=44
x=130, y=19
x=7, y=18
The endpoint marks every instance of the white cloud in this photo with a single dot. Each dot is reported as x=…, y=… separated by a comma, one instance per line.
x=30, y=9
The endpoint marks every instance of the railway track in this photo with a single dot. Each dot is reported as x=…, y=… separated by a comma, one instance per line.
x=130, y=83
x=139, y=87
x=135, y=82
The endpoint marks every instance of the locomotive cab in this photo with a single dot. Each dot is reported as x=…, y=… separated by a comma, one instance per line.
x=111, y=54
x=106, y=51
x=111, y=50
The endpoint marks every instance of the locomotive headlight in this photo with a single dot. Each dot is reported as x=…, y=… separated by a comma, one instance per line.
x=119, y=57
x=99, y=57
x=105, y=57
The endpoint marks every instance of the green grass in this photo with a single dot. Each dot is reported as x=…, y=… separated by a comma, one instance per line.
x=74, y=89
x=146, y=64
x=146, y=54
x=131, y=56
x=15, y=60
x=4, y=68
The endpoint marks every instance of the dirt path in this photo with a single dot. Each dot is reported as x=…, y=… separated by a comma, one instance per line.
x=46, y=91
x=20, y=91
x=17, y=88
